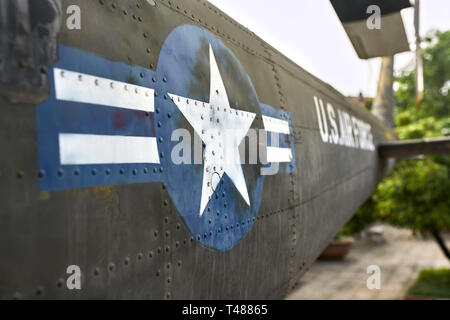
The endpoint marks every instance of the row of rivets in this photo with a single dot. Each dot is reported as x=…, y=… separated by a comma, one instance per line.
x=77, y=172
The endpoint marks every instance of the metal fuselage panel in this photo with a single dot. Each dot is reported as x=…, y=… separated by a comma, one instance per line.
x=129, y=239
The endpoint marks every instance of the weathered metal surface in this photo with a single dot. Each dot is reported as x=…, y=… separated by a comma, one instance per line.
x=402, y=149
x=130, y=227
x=28, y=31
x=374, y=27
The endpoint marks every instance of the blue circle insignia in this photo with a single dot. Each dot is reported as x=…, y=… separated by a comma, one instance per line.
x=218, y=202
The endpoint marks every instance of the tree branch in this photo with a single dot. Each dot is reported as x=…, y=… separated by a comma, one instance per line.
x=441, y=242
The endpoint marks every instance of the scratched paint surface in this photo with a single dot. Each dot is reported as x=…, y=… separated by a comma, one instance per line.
x=183, y=69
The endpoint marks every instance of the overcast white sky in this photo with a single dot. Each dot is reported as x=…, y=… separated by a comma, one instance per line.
x=310, y=33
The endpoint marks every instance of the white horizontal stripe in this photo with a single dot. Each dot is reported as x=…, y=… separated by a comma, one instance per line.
x=276, y=125
x=78, y=149
x=279, y=154
x=79, y=87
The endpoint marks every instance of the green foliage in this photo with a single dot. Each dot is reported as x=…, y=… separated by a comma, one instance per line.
x=432, y=283
x=417, y=194
x=364, y=217
x=436, y=67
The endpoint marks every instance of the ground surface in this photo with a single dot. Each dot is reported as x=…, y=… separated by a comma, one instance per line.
x=400, y=258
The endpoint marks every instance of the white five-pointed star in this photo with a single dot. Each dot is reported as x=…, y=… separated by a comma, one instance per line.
x=222, y=129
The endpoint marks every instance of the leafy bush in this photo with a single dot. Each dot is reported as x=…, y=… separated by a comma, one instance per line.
x=417, y=194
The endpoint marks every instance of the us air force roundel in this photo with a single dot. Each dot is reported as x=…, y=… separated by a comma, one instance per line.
x=195, y=123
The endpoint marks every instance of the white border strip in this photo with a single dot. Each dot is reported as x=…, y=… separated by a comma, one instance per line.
x=279, y=154
x=79, y=149
x=276, y=125
x=79, y=87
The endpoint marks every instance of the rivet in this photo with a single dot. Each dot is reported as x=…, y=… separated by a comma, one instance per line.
x=62, y=74
x=111, y=267
x=39, y=291
x=145, y=170
x=126, y=261
x=60, y=172
x=140, y=256
x=122, y=171
x=111, y=85
x=135, y=172
x=151, y=254
x=161, y=139
x=159, y=124
x=96, y=82
x=80, y=77
x=164, y=79
x=96, y=271
x=94, y=172
x=41, y=173
x=60, y=283
x=76, y=172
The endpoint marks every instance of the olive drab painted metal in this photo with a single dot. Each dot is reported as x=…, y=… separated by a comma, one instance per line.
x=132, y=222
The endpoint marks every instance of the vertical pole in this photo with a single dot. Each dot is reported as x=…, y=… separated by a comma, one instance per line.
x=384, y=101
x=419, y=65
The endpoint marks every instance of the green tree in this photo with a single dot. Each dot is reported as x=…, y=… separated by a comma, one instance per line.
x=417, y=194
